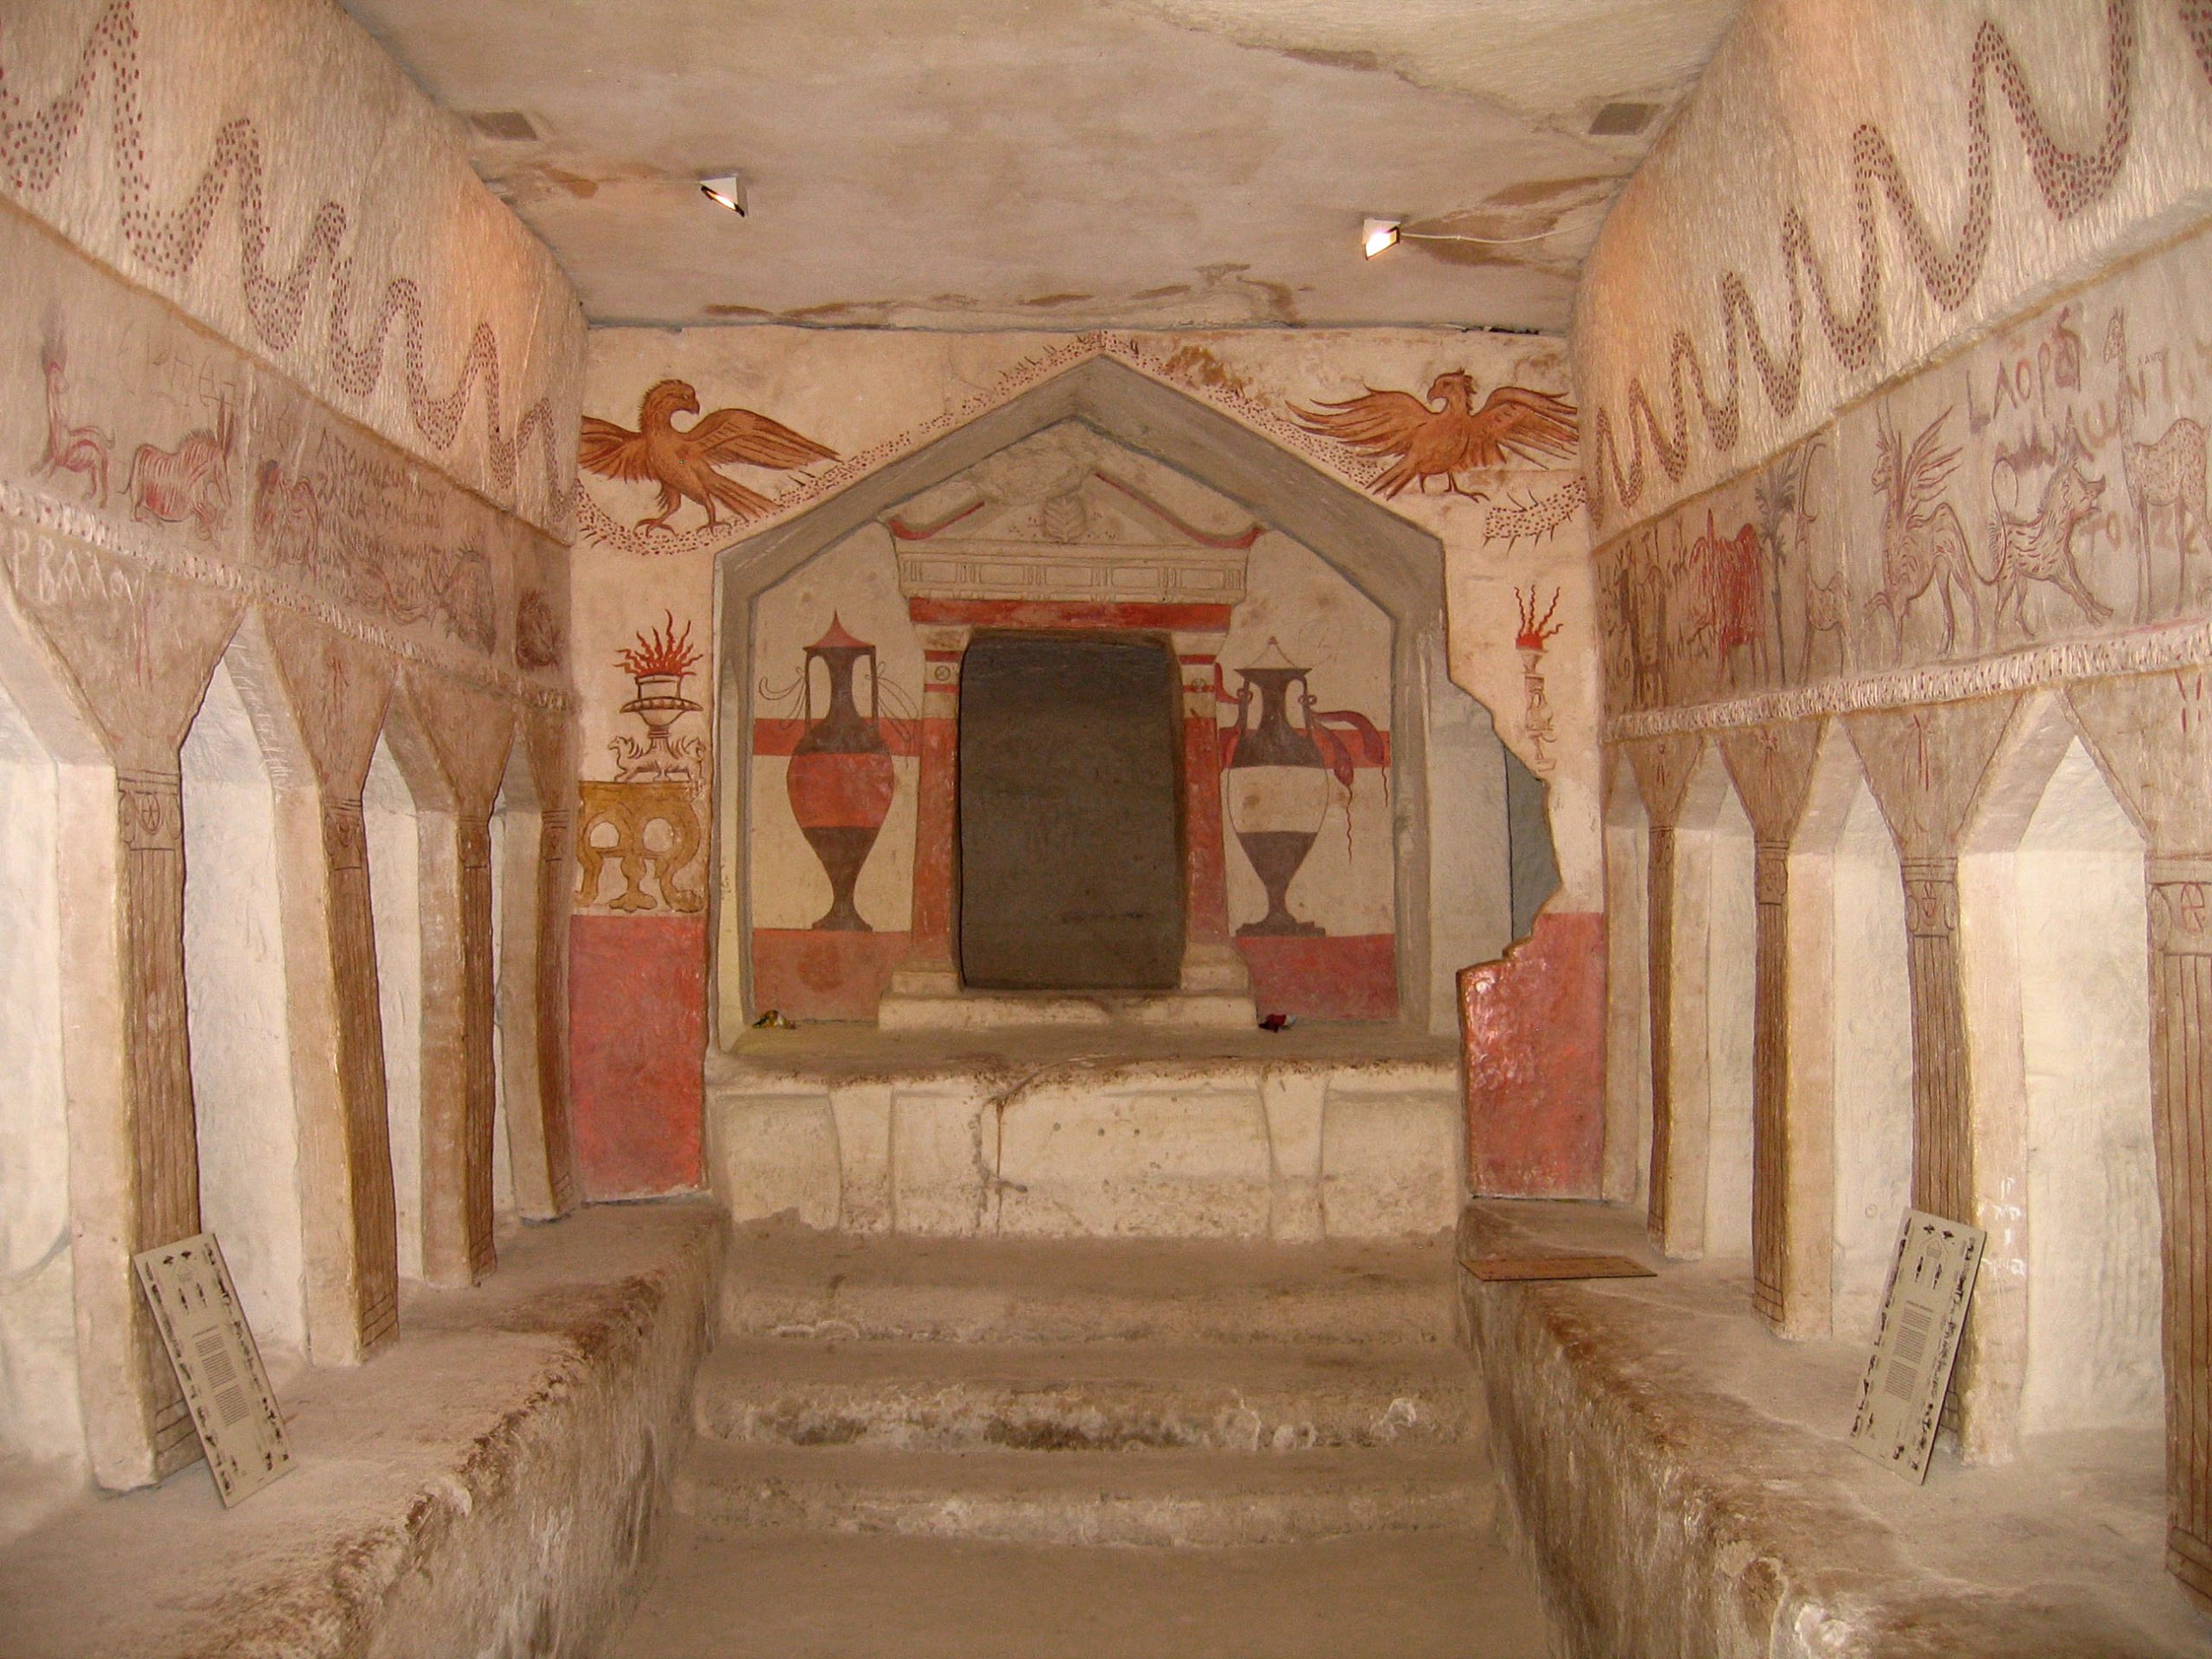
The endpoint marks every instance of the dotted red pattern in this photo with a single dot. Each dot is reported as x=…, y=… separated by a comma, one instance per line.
x=2068, y=182
x=34, y=146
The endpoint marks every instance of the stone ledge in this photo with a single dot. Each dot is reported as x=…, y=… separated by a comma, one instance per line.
x=489, y=1484
x=1680, y=1477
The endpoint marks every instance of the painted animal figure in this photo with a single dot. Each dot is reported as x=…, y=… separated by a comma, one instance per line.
x=81, y=449
x=2040, y=547
x=2167, y=474
x=190, y=481
x=1923, y=543
x=1728, y=601
x=1447, y=434
x=1827, y=611
x=684, y=462
x=287, y=518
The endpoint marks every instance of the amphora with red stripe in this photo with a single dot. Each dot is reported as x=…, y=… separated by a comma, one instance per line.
x=1278, y=788
x=840, y=779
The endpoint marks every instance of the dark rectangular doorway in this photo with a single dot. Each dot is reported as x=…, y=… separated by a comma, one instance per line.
x=1070, y=867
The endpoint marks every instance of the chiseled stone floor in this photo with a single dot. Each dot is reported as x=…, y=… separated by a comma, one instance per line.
x=431, y=1510
x=1736, y=1507
x=998, y=1448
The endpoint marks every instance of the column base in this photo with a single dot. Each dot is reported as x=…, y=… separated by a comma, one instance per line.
x=1216, y=967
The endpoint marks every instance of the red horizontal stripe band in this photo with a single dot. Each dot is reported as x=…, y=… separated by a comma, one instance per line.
x=782, y=736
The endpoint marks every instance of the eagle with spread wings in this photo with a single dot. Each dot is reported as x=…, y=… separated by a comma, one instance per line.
x=1447, y=434
x=684, y=462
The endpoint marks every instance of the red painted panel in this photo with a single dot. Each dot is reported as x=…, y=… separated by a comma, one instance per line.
x=1205, y=874
x=1534, y=1029
x=934, y=814
x=810, y=974
x=1354, y=977
x=637, y=1040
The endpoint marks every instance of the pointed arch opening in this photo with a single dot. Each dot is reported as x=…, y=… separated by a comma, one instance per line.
x=237, y=1001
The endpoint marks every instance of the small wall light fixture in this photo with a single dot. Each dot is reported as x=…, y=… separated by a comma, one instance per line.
x=1381, y=235
x=725, y=190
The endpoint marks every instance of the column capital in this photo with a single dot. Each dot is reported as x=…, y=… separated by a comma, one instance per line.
x=1770, y=873
x=1931, y=897
x=2181, y=917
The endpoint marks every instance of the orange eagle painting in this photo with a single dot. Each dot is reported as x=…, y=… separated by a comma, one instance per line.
x=1447, y=434
x=685, y=463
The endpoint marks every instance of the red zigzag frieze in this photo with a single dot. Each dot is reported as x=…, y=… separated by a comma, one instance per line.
x=2069, y=181
x=34, y=147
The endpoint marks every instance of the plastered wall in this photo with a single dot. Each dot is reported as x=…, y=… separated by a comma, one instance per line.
x=1871, y=188
x=860, y=402
x=1894, y=357
x=286, y=390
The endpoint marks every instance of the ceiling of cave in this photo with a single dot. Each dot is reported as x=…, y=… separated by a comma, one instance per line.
x=1059, y=163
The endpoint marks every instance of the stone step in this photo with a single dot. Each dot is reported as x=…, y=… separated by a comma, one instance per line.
x=1442, y=1594
x=953, y=1396
x=787, y=1281
x=1089, y=1497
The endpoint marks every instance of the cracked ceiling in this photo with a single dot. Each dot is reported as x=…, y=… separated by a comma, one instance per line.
x=1059, y=163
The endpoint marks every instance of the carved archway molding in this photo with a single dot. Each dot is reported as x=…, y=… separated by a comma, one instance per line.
x=1391, y=561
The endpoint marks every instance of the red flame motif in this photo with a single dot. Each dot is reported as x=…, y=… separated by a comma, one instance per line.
x=662, y=651
x=1535, y=633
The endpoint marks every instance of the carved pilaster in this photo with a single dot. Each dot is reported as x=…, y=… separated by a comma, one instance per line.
x=1772, y=767
x=1770, y=1081
x=1659, y=906
x=552, y=991
x=164, y=1136
x=360, y=1073
x=929, y=967
x=1943, y=1111
x=1662, y=775
x=479, y=1032
x=2181, y=1084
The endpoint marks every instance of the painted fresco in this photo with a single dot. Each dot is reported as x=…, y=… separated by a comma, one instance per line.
x=2045, y=490
x=1682, y=372
x=1306, y=691
x=685, y=465
x=407, y=296
x=839, y=650
x=1444, y=436
x=836, y=668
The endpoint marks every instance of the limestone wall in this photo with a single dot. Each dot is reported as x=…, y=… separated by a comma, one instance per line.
x=1939, y=557
x=657, y=856
x=288, y=399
